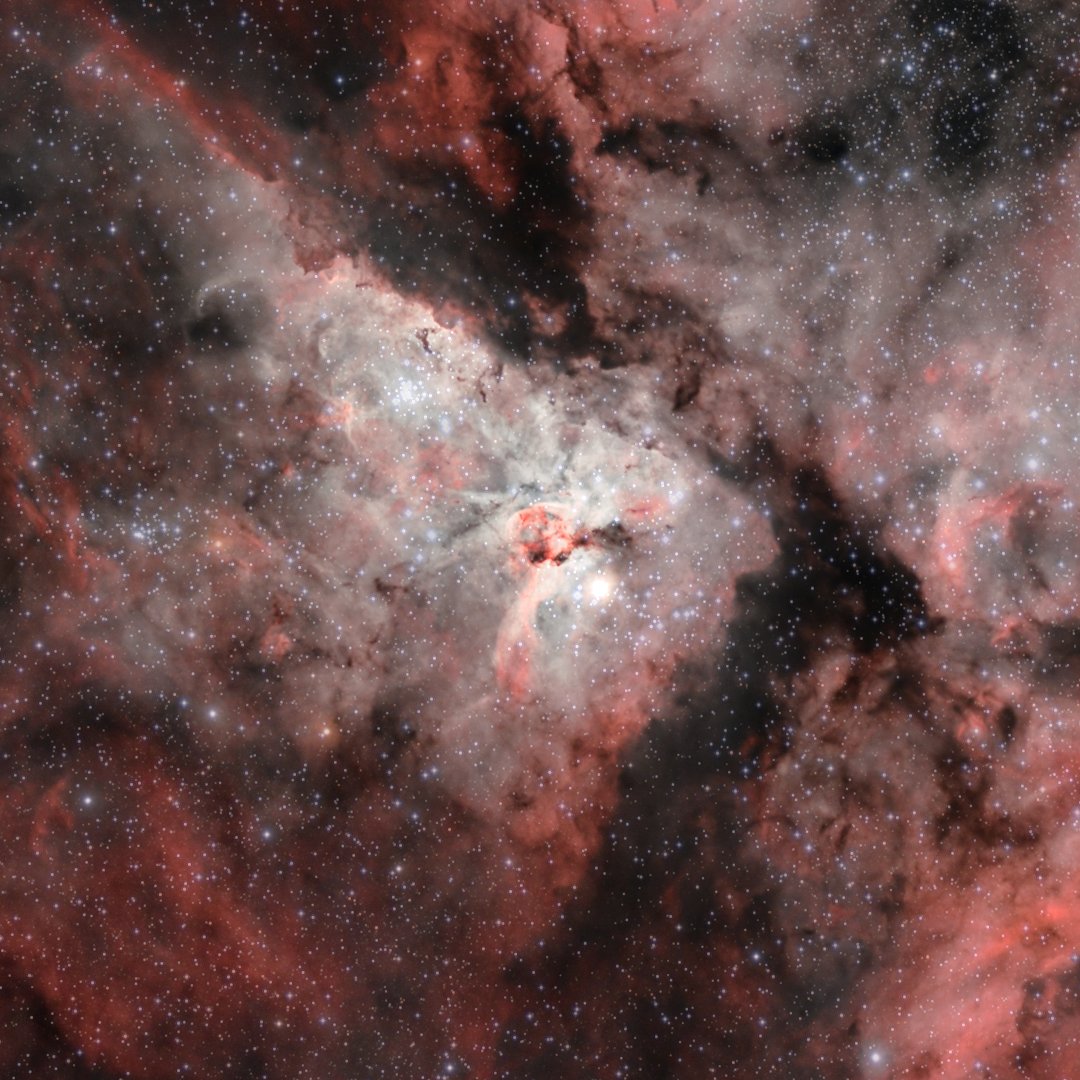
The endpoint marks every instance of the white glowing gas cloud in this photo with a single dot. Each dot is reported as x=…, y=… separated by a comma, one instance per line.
x=435, y=457
x=359, y=487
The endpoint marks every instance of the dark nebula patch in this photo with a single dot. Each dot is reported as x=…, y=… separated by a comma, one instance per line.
x=825, y=141
x=523, y=258
x=539, y=540
x=227, y=319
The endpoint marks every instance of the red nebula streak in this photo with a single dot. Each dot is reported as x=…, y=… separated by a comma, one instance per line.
x=226, y=127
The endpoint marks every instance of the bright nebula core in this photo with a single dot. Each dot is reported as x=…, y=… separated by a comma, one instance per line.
x=540, y=539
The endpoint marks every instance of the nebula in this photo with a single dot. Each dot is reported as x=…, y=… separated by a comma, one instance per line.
x=540, y=540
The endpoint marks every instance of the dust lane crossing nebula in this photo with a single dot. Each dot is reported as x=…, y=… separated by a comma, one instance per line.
x=540, y=540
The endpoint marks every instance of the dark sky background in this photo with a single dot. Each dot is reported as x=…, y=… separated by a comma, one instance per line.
x=539, y=539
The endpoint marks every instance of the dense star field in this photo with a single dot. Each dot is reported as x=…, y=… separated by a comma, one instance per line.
x=540, y=539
